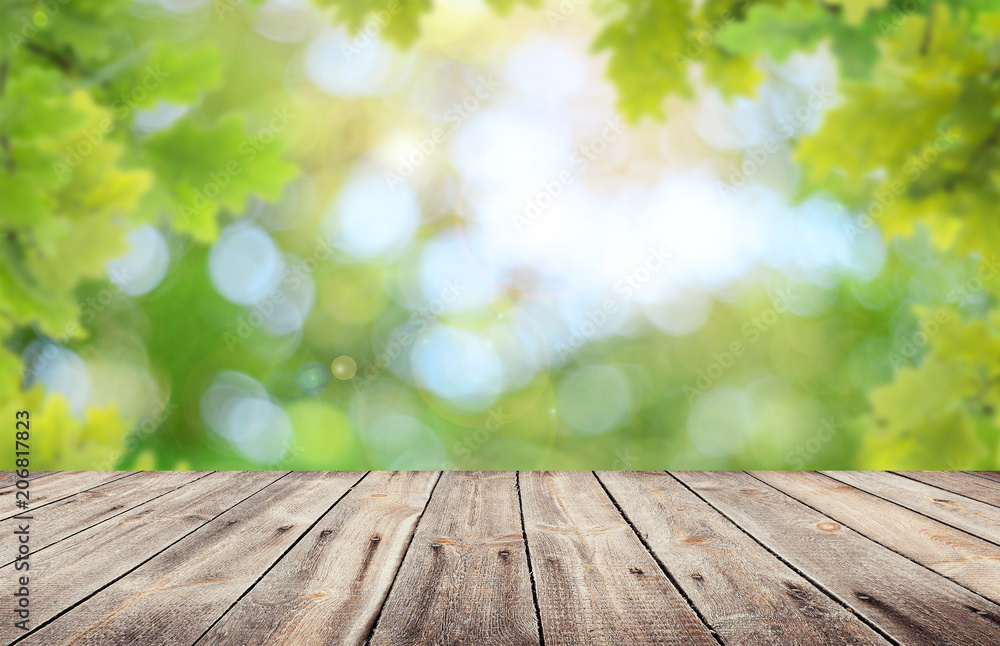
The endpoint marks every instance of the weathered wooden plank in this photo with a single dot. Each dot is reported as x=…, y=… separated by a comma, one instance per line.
x=989, y=475
x=56, y=487
x=8, y=478
x=75, y=513
x=328, y=589
x=950, y=552
x=465, y=578
x=177, y=595
x=66, y=477
x=977, y=518
x=596, y=583
x=743, y=592
x=906, y=601
x=71, y=570
x=965, y=484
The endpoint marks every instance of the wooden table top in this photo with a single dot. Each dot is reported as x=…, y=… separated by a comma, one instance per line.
x=505, y=558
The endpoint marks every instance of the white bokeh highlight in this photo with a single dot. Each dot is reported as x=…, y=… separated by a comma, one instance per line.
x=245, y=265
x=368, y=219
x=61, y=371
x=238, y=408
x=145, y=264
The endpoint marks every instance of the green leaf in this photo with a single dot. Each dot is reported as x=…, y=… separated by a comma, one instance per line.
x=856, y=11
x=207, y=168
x=856, y=48
x=732, y=75
x=778, y=30
x=37, y=105
x=650, y=47
x=397, y=21
x=168, y=72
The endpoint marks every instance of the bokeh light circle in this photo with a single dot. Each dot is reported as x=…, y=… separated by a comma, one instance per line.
x=245, y=264
x=312, y=378
x=344, y=368
x=238, y=408
x=143, y=267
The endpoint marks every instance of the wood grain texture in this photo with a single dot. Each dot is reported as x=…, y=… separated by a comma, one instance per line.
x=465, y=579
x=173, y=598
x=76, y=513
x=596, y=583
x=969, y=515
x=56, y=487
x=73, y=569
x=745, y=594
x=328, y=589
x=965, y=559
x=908, y=602
x=989, y=475
x=965, y=484
x=405, y=558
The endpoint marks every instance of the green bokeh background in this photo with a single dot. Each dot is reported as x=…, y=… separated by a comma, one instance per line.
x=893, y=371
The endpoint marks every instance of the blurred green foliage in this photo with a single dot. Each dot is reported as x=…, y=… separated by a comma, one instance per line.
x=914, y=146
